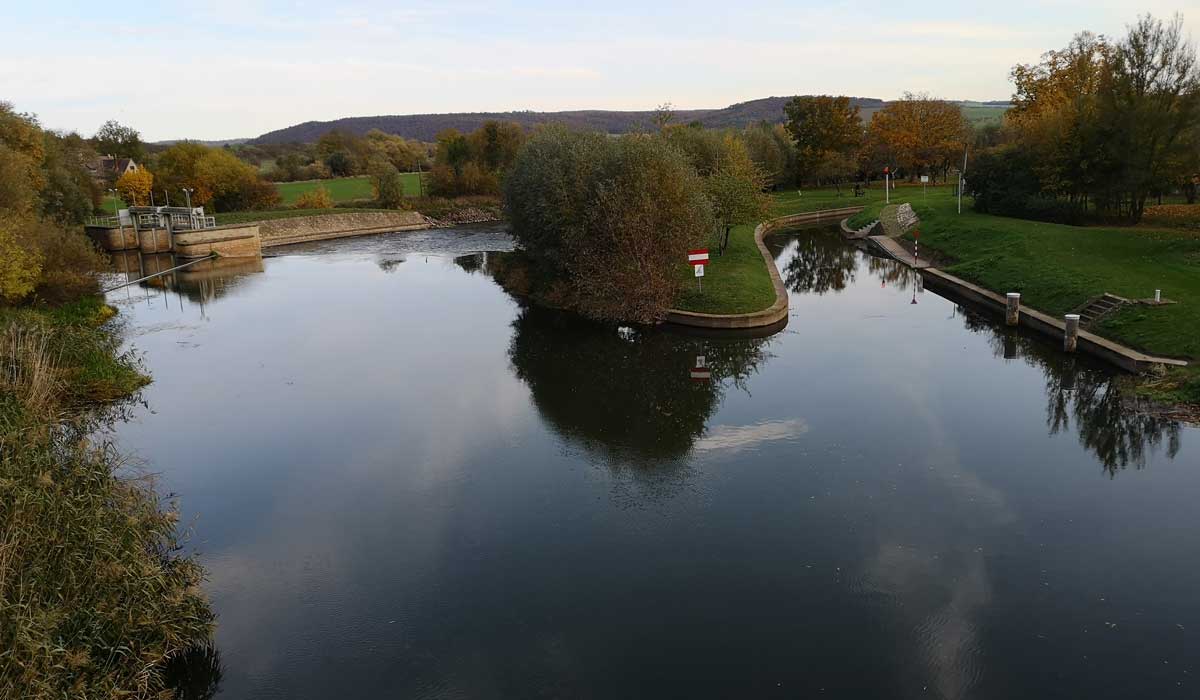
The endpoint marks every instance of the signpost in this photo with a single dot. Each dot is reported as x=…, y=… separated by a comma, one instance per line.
x=700, y=373
x=698, y=258
x=924, y=182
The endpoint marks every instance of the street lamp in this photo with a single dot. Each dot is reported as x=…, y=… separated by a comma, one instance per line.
x=187, y=192
x=116, y=206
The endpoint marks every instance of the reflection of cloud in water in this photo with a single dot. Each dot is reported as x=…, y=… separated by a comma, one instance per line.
x=740, y=437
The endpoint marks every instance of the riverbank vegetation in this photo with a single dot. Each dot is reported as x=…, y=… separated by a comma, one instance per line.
x=95, y=599
x=604, y=222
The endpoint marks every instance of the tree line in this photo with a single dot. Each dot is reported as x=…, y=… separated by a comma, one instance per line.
x=1097, y=129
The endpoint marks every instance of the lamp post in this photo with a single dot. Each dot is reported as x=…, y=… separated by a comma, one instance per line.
x=116, y=206
x=187, y=192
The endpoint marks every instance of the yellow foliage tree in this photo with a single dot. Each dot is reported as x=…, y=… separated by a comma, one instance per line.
x=318, y=198
x=920, y=133
x=20, y=265
x=135, y=185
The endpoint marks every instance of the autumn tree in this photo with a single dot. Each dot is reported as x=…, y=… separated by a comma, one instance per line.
x=316, y=198
x=116, y=139
x=1149, y=105
x=40, y=192
x=820, y=126
x=923, y=135
x=135, y=186
x=474, y=163
x=218, y=178
x=1100, y=126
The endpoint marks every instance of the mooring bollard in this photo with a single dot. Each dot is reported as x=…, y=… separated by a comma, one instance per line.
x=1071, y=333
x=1012, y=312
x=1158, y=296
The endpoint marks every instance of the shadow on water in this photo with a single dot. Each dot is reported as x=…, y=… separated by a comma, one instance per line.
x=1119, y=429
x=196, y=674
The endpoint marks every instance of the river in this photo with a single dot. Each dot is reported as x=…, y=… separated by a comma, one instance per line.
x=405, y=483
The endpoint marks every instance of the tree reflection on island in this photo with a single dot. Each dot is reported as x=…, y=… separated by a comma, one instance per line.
x=626, y=394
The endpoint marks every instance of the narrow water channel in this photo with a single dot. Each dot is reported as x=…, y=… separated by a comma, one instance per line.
x=405, y=483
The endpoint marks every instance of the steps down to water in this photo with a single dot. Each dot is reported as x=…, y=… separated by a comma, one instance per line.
x=1097, y=309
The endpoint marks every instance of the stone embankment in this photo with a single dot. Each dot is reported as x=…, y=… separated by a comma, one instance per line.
x=467, y=215
x=301, y=229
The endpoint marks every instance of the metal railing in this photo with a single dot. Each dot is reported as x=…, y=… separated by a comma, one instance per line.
x=148, y=220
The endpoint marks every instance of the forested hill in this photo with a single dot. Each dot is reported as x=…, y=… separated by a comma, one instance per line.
x=425, y=127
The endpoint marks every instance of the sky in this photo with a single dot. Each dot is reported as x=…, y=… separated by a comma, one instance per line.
x=239, y=68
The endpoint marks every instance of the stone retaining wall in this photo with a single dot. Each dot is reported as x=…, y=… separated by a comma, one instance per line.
x=300, y=229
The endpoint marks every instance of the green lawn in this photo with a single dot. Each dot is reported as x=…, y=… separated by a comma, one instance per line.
x=738, y=281
x=343, y=189
x=1056, y=268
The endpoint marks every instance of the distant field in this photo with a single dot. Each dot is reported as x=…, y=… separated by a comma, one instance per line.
x=342, y=189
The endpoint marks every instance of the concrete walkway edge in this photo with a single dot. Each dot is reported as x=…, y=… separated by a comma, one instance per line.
x=1115, y=353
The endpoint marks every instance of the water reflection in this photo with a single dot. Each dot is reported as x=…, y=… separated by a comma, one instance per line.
x=1119, y=429
x=630, y=395
x=819, y=261
x=195, y=675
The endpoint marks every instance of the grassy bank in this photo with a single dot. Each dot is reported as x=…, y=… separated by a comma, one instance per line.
x=738, y=282
x=344, y=189
x=95, y=600
x=1058, y=269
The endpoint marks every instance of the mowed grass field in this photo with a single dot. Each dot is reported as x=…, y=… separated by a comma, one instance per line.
x=343, y=189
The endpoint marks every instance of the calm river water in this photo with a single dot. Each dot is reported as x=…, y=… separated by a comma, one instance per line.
x=406, y=484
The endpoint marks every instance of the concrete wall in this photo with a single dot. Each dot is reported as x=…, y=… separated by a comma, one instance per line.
x=111, y=239
x=300, y=229
x=237, y=241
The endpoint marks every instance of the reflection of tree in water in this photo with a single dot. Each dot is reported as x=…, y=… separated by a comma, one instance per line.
x=1116, y=428
x=822, y=261
x=391, y=264
x=195, y=674
x=623, y=393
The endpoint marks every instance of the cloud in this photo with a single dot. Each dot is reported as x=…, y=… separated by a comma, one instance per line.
x=741, y=437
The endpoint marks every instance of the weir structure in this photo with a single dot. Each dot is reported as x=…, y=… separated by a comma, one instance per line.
x=185, y=231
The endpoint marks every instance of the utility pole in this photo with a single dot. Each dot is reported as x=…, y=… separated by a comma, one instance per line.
x=960, y=178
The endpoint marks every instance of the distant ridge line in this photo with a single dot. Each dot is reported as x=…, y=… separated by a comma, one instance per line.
x=425, y=127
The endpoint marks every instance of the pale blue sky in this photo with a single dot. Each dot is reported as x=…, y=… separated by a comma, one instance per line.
x=237, y=68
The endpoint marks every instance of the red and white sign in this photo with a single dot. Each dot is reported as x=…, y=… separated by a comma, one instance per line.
x=698, y=256
x=700, y=373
